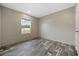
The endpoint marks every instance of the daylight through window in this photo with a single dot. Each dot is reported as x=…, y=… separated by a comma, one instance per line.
x=25, y=26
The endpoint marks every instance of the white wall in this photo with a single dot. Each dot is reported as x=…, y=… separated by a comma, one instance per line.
x=11, y=27
x=59, y=26
x=77, y=28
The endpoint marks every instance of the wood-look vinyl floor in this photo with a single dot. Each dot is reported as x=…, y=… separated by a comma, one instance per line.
x=41, y=47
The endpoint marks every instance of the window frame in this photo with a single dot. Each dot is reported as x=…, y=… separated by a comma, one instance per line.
x=26, y=27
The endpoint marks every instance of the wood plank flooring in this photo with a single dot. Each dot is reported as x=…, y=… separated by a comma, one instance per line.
x=41, y=47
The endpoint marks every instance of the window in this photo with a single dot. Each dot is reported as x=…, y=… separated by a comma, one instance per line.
x=25, y=26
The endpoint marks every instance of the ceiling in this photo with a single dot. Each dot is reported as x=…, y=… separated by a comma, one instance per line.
x=38, y=9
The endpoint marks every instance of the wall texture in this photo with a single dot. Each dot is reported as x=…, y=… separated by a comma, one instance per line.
x=11, y=27
x=59, y=26
x=0, y=26
x=77, y=28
